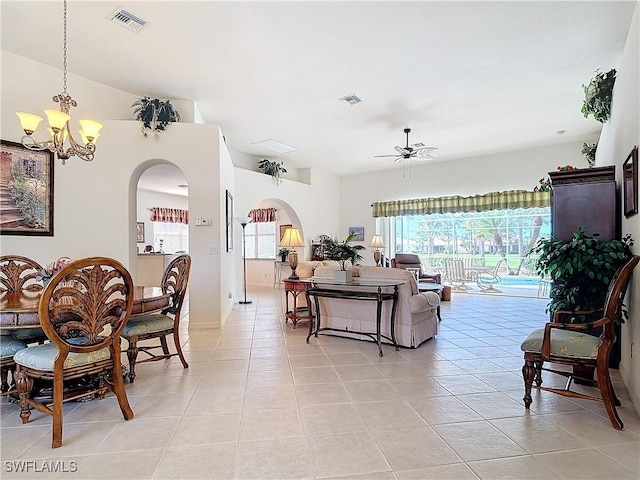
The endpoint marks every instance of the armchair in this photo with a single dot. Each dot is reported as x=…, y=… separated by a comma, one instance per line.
x=411, y=260
x=566, y=344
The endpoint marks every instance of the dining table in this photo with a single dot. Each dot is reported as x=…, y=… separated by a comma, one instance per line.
x=19, y=309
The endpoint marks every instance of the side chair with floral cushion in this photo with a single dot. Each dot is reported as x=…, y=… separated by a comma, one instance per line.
x=570, y=344
x=82, y=310
x=159, y=325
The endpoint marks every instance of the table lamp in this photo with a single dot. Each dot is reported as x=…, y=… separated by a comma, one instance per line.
x=377, y=243
x=291, y=239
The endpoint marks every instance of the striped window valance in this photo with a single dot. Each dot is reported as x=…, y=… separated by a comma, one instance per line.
x=477, y=203
x=169, y=215
x=261, y=215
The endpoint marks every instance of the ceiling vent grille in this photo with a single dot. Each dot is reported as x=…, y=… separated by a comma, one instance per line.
x=128, y=20
x=350, y=99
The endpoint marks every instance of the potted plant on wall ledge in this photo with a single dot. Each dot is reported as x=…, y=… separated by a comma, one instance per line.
x=589, y=152
x=598, y=95
x=155, y=114
x=343, y=252
x=275, y=169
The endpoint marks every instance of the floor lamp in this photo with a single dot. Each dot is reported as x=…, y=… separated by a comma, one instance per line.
x=291, y=238
x=243, y=221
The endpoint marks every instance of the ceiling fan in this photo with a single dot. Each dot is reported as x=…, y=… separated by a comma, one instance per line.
x=417, y=151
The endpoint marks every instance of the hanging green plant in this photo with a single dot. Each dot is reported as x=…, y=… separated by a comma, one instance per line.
x=155, y=114
x=598, y=95
x=589, y=152
x=275, y=169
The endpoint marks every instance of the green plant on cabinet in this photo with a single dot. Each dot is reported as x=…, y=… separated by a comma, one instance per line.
x=598, y=95
x=273, y=168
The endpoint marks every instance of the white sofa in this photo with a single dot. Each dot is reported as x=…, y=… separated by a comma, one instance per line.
x=416, y=314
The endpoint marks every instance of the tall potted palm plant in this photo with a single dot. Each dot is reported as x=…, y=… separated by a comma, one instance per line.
x=342, y=252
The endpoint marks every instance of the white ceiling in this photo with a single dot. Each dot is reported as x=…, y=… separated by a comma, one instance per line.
x=468, y=77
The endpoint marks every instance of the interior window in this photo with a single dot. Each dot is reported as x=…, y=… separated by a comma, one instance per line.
x=170, y=237
x=261, y=240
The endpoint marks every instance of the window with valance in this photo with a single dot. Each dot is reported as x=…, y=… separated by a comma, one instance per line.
x=169, y=215
x=511, y=199
x=263, y=215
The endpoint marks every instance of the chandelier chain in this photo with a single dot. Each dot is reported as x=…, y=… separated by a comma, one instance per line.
x=64, y=52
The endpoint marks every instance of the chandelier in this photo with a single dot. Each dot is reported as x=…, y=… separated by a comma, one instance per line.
x=59, y=122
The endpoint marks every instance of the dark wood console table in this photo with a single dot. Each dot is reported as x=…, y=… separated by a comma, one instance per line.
x=377, y=291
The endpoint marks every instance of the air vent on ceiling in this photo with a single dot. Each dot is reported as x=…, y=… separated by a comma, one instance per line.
x=350, y=99
x=128, y=20
x=417, y=145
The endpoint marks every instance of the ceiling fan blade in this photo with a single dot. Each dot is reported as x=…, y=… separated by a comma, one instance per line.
x=398, y=159
x=376, y=156
x=402, y=151
x=424, y=153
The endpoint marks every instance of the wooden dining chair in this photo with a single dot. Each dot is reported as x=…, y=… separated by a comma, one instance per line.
x=82, y=310
x=570, y=344
x=159, y=325
x=17, y=273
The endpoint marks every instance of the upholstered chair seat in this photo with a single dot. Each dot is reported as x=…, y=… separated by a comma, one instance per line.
x=9, y=346
x=564, y=342
x=152, y=323
x=43, y=357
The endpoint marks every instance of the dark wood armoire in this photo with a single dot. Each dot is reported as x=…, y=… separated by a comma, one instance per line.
x=584, y=198
x=587, y=198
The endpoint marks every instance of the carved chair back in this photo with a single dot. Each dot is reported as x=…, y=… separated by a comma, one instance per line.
x=174, y=282
x=19, y=273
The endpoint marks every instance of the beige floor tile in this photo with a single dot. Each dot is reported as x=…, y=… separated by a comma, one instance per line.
x=389, y=415
x=537, y=435
x=357, y=372
x=440, y=410
x=596, y=431
x=478, y=440
x=585, y=464
x=333, y=418
x=266, y=398
x=370, y=390
x=215, y=401
x=173, y=384
x=274, y=459
x=322, y=393
x=77, y=439
x=269, y=378
x=303, y=376
x=493, y=405
x=137, y=465
x=306, y=361
x=348, y=358
x=410, y=448
x=205, y=429
x=346, y=454
x=525, y=468
x=419, y=387
x=169, y=405
x=223, y=381
x=215, y=461
x=270, y=424
x=140, y=434
x=626, y=454
x=456, y=471
x=268, y=363
x=15, y=440
x=463, y=384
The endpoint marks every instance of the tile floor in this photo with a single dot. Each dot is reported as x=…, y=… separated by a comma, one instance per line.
x=259, y=403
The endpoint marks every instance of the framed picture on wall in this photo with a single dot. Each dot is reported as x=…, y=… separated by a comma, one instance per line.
x=140, y=232
x=359, y=233
x=630, y=183
x=283, y=228
x=229, y=219
x=26, y=184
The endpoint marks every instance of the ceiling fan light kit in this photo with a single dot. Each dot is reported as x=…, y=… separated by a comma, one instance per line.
x=417, y=151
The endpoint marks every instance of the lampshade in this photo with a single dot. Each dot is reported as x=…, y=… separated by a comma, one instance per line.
x=90, y=130
x=243, y=220
x=57, y=119
x=291, y=238
x=29, y=121
x=377, y=241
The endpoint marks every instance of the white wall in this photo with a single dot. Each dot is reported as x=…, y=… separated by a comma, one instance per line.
x=618, y=137
x=95, y=202
x=313, y=208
